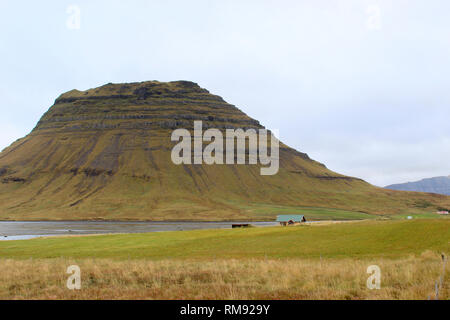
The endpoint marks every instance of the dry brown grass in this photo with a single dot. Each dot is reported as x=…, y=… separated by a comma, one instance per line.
x=407, y=278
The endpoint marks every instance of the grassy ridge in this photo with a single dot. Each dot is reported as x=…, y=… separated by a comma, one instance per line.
x=389, y=239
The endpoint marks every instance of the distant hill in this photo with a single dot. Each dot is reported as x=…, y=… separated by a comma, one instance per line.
x=439, y=185
x=105, y=153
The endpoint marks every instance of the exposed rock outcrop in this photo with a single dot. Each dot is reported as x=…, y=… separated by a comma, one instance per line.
x=105, y=153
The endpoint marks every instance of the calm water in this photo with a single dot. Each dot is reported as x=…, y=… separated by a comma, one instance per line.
x=13, y=230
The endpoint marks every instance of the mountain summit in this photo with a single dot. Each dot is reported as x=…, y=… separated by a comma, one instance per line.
x=105, y=153
x=440, y=185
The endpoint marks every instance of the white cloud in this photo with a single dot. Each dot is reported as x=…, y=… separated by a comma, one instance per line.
x=10, y=133
x=368, y=104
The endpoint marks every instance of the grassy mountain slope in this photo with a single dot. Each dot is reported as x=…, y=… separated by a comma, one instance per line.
x=104, y=153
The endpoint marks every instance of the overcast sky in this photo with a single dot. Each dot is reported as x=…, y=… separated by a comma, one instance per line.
x=361, y=86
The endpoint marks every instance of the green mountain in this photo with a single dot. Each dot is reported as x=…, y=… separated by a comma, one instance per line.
x=105, y=153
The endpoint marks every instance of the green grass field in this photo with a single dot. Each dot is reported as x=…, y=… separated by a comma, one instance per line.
x=267, y=212
x=326, y=260
x=389, y=239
